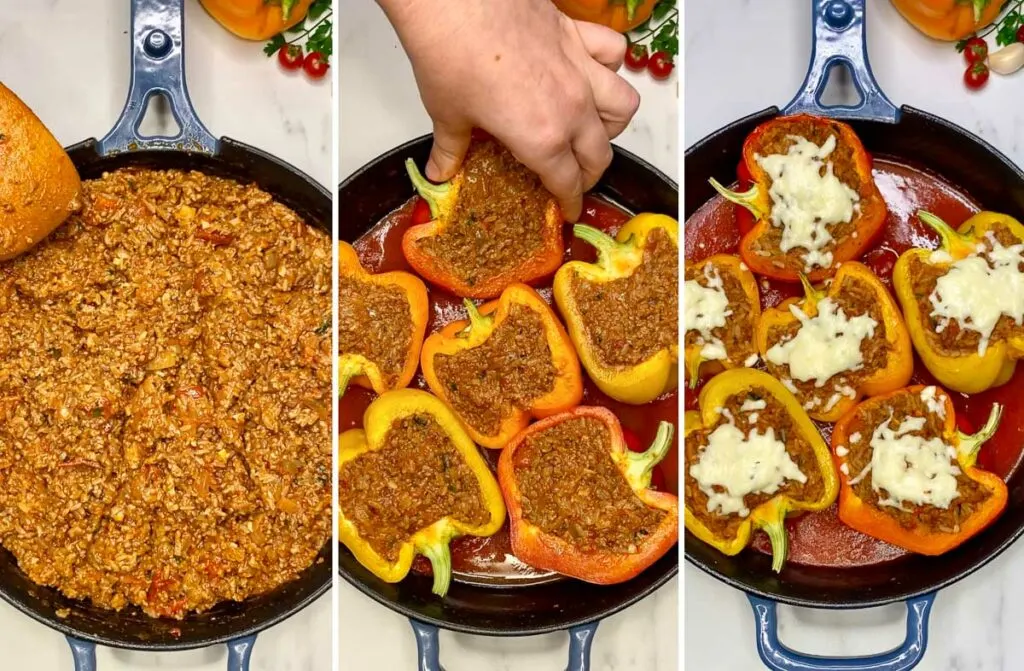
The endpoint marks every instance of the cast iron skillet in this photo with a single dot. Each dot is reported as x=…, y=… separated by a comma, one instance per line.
x=365, y=198
x=962, y=159
x=157, y=67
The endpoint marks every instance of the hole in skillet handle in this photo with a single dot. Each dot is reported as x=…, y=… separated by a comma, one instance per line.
x=239, y=653
x=428, y=648
x=778, y=657
x=839, y=38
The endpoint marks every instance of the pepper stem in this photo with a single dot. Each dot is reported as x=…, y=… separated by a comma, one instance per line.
x=441, y=564
x=948, y=235
x=776, y=530
x=971, y=444
x=695, y=363
x=476, y=320
x=979, y=7
x=641, y=464
x=811, y=295
x=744, y=199
x=347, y=369
x=430, y=192
x=601, y=241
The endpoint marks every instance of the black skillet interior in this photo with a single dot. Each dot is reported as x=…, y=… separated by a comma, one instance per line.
x=364, y=199
x=130, y=628
x=923, y=141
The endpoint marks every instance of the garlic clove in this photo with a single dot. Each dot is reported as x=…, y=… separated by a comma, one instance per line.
x=1007, y=60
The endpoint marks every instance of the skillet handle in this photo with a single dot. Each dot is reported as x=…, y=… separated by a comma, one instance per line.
x=839, y=37
x=84, y=653
x=581, y=639
x=240, y=652
x=778, y=657
x=158, y=67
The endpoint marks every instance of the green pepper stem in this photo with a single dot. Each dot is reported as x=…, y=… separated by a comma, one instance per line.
x=430, y=192
x=744, y=199
x=347, y=370
x=811, y=294
x=641, y=464
x=971, y=444
x=979, y=7
x=947, y=234
x=476, y=320
x=776, y=530
x=440, y=557
x=605, y=244
x=695, y=372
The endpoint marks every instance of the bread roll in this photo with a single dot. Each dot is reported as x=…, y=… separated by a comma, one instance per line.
x=39, y=186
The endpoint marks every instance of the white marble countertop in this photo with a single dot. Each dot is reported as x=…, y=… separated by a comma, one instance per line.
x=973, y=624
x=68, y=60
x=380, y=109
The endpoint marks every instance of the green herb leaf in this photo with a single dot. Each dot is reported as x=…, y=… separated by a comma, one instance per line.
x=662, y=9
x=274, y=45
x=667, y=39
x=323, y=328
x=961, y=45
x=1008, y=27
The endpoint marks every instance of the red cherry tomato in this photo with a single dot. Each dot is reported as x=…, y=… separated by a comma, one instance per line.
x=421, y=212
x=660, y=66
x=976, y=75
x=633, y=444
x=290, y=57
x=315, y=65
x=975, y=50
x=1020, y=34
x=637, y=57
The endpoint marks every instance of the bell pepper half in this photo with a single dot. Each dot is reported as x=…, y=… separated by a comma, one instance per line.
x=899, y=362
x=758, y=248
x=433, y=540
x=911, y=534
x=358, y=368
x=770, y=514
x=548, y=551
x=460, y=336
x=257, y=19
x=965, y=371
x=949, y=20
x=619, y=258
x=444, y=202
x=726, y=266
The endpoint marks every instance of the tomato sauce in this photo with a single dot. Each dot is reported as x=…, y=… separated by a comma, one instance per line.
x=490, y=560
x=820, y=539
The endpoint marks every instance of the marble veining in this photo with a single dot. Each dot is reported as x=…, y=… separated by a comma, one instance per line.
x=974, y=624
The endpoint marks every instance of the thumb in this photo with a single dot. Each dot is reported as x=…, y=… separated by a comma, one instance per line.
x=450, y=147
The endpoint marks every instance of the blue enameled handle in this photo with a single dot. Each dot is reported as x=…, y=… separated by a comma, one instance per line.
x=84, y=653
x=839, y=37
x=778, y=657
x=158, y=66
x=240, y=652
x=581, y=639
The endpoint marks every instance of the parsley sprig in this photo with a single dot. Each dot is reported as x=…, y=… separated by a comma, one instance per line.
x=1005, y=28
x=315, y=31
x=661, y=31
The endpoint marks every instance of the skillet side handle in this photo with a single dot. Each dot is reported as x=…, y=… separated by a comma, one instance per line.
x=839, y=37
x=428, y=646
x=240, y=653
x=778, y=657
x=84, y=653
x=158, y=67
x=581, y=640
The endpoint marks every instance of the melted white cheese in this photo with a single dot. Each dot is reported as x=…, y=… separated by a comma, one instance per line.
x=933, y=402
x=825, y=345
x=911, y=468
x=741, y=464
x=807, y=198
x=707, y=308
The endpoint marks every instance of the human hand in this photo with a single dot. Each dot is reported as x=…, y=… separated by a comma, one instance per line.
x=544, y=85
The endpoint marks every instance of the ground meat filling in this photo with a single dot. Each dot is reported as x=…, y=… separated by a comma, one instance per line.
x=954, y=340
x=510, y=369
x=772, y=416
x=855, y=298
x=374, y=322
x=971, y=495
x=165, y=394
x=844, y=166
x=414, y=479
x=571, y=489
x=630, y=319
x=498, y=222
x=737, y=336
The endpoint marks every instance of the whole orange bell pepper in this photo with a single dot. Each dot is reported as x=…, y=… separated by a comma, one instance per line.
x=965, y=371
x=619, y=15
x=431, y=541
x=463, y=336
x=545, y=550
x=899, y=364
x=874, y=520
x=257, y=19
x=770, y=515
x=360, y=367
x=949, y=20
x=758, y=250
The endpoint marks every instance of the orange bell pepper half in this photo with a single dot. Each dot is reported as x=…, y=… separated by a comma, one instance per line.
x=899, y=363
x=949, y=20
x=545, y=550
x=257, y=19
x=464, y=335
x=909, y=533
x=759, y=248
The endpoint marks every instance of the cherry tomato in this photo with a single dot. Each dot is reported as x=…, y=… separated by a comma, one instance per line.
x=976, y=50
x=1020, y=34
x=315, y=65
x=976, y=75
x=421, y=212
x=660, y=65
x=637, y=57
x=290, y=57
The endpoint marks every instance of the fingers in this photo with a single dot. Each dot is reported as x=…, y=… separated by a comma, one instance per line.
x=616, y=100
x=450, y=147
x=560, y=174
x=603, y=44
x=593, y=151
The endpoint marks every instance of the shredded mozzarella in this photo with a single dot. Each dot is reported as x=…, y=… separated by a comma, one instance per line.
x=911, y=468
x=707, y=308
